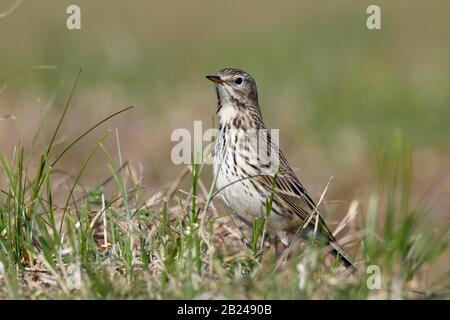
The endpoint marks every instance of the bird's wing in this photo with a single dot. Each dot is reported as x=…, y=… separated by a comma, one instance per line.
x=289, y=193
x=287, y=189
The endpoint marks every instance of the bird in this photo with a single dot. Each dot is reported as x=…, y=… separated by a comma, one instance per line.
x=250, y=169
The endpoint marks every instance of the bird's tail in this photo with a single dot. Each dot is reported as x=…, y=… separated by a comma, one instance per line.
x=338, y=252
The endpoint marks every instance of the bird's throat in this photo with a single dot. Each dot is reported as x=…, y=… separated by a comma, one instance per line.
x=227, y=113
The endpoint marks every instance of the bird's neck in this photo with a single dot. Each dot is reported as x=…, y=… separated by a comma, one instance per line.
x=238, y=115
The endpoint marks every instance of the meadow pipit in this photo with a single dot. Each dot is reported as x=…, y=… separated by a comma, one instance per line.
x=253, y=176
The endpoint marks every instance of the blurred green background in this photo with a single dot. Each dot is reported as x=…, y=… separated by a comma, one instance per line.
x=330, y=85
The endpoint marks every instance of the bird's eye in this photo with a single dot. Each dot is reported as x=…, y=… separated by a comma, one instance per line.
x=238, y=80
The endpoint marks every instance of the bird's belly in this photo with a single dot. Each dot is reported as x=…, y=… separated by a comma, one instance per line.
x=240, y=188
x=240, y=195
x=244, y=200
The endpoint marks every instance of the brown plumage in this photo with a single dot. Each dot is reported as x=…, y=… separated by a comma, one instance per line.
x=250, y=167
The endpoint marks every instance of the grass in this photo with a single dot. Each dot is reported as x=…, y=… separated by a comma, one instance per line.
x=179, y=244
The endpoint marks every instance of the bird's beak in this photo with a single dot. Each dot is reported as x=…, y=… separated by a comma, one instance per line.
x=215, y=79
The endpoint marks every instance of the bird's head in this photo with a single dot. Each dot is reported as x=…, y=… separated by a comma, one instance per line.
x=235, y=87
